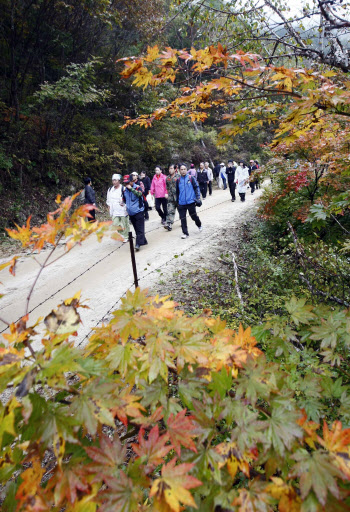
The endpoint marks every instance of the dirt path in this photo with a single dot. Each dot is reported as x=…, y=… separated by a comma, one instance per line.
x=102, y=271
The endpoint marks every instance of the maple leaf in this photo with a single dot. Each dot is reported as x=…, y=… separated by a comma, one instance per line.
x=337, y=442
x=31, y=479
x=152, y=450
x=288, y=500
x=23, y=234
x=172, y=487
x=107, y=457
x=254, y=498
x=146, y=421
x=233, y=458
x=64, y=319
x=122, y=495
x=152, y=53
x=299, y=313
x=69, y=484
x=181, y=431
x=316, y=472
x=282, y=428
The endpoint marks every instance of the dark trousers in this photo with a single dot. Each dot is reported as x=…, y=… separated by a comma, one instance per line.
x=242, y=196
x=232, y=186
x=138, y=222
x=145, y=204
x=252, y=186
x=210, y=187
x=191, y=208
x=203, y=188
x=93, y=215
x=161, y=202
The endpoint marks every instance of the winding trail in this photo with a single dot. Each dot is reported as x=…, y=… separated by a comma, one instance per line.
x=103, y=272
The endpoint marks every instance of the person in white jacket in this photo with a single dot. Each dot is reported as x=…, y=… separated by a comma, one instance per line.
x=223, y=175
x=117, y=208
x=242, y=178
x=210, y=176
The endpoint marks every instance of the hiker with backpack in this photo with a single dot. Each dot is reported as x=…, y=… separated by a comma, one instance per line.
x=133, y=198
x=117, y=208
x=188, y=196
x=90, y=198
x=159, y=191
x=137, y=180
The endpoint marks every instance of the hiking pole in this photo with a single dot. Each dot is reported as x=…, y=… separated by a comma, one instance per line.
x=133, y=260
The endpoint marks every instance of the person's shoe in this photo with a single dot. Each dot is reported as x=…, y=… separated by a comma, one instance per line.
x=163, y=222
x=184, y=236
x=233, y=200
x=137, y=247
x=125, y=241
x=168, y=227
x=200, y=228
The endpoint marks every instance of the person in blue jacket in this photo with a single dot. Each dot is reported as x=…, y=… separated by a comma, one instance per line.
x=132, y=195
x=188, y=196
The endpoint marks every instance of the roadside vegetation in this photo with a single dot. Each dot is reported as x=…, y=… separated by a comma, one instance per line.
x=237, y=400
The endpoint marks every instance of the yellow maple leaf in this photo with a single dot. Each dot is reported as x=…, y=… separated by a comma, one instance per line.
x=172, y=488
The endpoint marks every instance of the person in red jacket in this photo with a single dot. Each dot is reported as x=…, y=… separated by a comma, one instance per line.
x=160, y=192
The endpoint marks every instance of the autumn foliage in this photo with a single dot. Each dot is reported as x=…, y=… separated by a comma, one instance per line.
x=158, y=411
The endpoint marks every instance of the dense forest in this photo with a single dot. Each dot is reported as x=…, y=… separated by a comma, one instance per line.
x=240, y=402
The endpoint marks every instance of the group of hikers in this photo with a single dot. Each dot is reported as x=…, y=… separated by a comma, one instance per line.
x=182, y=189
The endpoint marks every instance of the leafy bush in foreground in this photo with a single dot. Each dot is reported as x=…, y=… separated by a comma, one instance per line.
x=158, y=412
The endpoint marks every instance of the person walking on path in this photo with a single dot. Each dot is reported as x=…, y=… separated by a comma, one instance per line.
x=188, y=196
x=230, y=172
x=210, y=177
x=159, y=191
x=147, y=187
x=217, y=169
x=90, y=198
x=136, y=179
x=203, y=180
x=171, y=180
x=135, y=208
x=242, y=178
x=117, y=208
x=252, y=167
x=192, y=171
x=223, y=175
x=257, y=183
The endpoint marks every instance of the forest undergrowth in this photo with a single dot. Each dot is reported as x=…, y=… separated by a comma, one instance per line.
x=279, y=306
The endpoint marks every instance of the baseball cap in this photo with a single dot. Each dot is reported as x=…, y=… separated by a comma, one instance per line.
x=126, y=178
x=222, y=163
x=116, y=177
x=134, y=173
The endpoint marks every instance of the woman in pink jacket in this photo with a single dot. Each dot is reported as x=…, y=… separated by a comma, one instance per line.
x=159, y=191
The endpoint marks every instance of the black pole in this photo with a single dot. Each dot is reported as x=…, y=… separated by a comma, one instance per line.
x=133, y=260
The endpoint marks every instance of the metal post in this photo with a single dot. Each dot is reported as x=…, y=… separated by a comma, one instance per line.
x=133, y=260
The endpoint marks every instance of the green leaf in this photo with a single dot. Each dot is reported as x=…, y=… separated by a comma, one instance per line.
x=221, y=382
x=299, y=313
x=316, y=472
x=282, y=429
